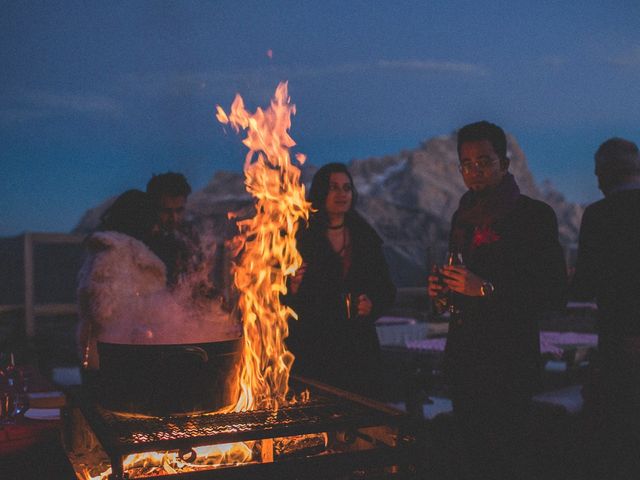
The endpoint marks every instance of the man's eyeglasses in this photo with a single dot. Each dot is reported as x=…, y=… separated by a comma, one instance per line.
x=482, y=164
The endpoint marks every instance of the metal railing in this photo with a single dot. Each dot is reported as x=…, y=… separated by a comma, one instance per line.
x=30, y=309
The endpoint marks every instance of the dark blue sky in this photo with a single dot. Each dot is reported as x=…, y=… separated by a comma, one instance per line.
x=97, y=96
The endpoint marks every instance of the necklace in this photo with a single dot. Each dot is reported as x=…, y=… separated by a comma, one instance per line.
x=339, y=242
x=343, y=250
x=335, y=227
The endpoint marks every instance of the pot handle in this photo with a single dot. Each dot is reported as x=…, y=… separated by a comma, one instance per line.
x=197, y=351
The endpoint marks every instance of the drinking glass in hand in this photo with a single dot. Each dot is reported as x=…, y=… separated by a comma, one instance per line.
x=453, y=258
x=439, y=303
x=351, y=301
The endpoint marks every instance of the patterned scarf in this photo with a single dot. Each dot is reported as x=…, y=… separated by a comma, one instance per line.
x=479, y=210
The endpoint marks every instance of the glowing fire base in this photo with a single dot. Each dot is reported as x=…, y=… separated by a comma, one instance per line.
x=334, y=432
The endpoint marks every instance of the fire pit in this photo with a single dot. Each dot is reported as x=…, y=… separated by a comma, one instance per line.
x=272, y=428
x=329, y=435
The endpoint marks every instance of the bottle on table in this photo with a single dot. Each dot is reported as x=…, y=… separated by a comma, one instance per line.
x=13, y=399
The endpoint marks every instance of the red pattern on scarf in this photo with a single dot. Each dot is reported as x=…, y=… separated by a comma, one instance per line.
x=483, y=235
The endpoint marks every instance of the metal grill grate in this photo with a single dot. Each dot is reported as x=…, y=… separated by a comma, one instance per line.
x=359, y=435
x=135, y=431
x=320, y=413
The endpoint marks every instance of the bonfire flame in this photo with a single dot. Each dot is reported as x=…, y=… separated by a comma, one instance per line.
x=269, y=254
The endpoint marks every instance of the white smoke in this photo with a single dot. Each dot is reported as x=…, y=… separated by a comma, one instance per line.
x=124, y=299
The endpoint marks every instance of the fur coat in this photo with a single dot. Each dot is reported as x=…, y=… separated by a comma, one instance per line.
x=119, y=272
x=123, y=298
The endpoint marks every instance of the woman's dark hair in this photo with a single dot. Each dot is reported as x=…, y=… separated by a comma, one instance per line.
x=319, y=189
x=132, y=213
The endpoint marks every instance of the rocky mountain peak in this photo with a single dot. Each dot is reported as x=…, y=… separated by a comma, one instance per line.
x=408, y=197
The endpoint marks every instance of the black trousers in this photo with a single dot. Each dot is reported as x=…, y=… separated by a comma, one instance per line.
x=492, y=425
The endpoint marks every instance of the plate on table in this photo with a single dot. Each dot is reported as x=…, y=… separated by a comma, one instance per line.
x=43, y=413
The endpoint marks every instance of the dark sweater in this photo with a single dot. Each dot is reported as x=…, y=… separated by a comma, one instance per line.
x=327, y=345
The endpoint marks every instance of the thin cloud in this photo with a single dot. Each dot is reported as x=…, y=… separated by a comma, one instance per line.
x=197, y=83
x=183, y=84
x=194, y=82
x=419, y=65
x=435, y=66
x=327, y=70
x=24, y=105
x=79, y=103
x=21, y=115
x=627, y=59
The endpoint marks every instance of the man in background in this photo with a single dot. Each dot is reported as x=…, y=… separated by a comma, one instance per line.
x=176, y=242
x=608, y=270
x=513, y=269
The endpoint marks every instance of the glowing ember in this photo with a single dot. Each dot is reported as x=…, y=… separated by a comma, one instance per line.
x=209, y=457
x=166, y=463
x=269, y=248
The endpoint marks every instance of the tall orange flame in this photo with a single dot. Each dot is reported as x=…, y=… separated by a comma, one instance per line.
x=269, y=255
x=269, y=248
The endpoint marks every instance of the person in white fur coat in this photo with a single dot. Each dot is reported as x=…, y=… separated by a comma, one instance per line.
x=118, y=272
x=122, y=291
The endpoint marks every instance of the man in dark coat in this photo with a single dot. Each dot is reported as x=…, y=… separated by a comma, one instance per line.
x=608, y=269
x=513, y=270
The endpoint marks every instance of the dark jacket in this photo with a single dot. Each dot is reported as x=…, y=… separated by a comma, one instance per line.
x=608, y=269
x=178, y=249
x=608, y=264
x=327, y=345
x=494, y=343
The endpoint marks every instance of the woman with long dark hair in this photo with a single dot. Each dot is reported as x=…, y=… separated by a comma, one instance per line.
x=342, y=287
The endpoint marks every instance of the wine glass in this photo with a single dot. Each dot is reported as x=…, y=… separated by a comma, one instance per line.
x=6, y=406
x=13, y=398
x=20, y=404
x=5, y=362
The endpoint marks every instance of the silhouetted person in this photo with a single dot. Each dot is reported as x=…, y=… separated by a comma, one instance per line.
x=513, y=270
x=608, y=270
x=176, y=242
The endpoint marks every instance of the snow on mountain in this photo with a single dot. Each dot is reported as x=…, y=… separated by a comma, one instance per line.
x=408, y=197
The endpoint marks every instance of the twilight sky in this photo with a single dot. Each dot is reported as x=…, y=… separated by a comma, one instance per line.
x=97, y=96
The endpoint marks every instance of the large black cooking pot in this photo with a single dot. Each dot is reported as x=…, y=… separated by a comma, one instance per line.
x=168, y=379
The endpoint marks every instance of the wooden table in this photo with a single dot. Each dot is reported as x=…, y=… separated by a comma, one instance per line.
x=32, y=449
